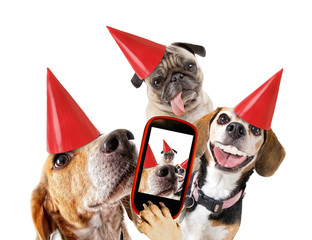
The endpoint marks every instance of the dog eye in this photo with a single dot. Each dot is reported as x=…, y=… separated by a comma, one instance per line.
x=223, y=119
x=61, y=160
x=255, y=131
x=157, y=82
x=191, y=67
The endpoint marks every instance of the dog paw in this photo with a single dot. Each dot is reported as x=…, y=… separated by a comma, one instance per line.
x=157, y=223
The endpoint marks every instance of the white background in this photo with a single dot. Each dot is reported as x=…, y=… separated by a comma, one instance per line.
x=246, y=43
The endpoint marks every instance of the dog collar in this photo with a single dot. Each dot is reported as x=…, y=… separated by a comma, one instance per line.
x=197, y=196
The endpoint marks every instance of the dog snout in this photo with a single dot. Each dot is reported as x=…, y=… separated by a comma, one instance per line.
x=177, y=77
x=236, y=130
x=118, y=140
x=167, y=171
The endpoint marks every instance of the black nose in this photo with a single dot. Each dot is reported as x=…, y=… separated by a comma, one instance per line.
x=236, y=130
x=179, y=169
x=167, y=171
x=117, y=140
x=177, y=77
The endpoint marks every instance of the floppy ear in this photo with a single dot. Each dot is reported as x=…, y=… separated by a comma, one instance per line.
x=270, y=155
x=41, y=218
x=136, y=81
x=203, y=126
x=193, y=48
x=174, y=151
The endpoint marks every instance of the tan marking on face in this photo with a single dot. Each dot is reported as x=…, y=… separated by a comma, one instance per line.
x=67, y=186
x=248, y=144
x=161, y=186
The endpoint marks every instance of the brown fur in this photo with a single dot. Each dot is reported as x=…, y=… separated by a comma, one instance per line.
x=232, y=229
x=143, y=183
x=271, y=155
x=58, y=200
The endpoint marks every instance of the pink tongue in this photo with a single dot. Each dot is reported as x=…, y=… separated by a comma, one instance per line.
x=177, y=105
x=226, y=159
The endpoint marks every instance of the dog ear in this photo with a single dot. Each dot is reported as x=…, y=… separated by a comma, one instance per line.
x=136, y=81
x=203, y=126
x=174, y=151
x=270, y=155
x=193, y=48
x=43, y=222
x=162, y=152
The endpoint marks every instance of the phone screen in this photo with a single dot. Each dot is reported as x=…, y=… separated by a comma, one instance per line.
x=170, y=150
x=164, y=164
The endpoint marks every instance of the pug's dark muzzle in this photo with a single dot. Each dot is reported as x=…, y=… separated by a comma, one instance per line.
x=188, y=85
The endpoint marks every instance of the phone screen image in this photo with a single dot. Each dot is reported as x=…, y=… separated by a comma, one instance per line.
x=165, y=163
x=170, y=150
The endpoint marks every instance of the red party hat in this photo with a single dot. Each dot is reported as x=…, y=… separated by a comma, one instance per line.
x=142, y=54
x=150, y=160
x=166, y=147
x=184, y=164
x=258, y=108
x=68, y=127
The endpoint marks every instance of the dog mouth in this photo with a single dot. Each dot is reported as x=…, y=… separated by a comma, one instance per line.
x=228, y=157
x=177, y=104
x=180, y=178
x=180, y=100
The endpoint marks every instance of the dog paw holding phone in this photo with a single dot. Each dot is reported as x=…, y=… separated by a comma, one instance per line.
x=157, y=223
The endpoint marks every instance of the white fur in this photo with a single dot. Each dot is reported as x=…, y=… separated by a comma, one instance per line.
x=195, y=224
x=196, y=227
x=219, y=184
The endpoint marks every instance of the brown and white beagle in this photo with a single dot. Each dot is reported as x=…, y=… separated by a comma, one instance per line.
x=80, y=192
x=229, y=150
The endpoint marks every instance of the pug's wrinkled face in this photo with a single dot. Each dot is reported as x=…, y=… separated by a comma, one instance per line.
x=175, y=84
x=168, y=157
x=233, y=143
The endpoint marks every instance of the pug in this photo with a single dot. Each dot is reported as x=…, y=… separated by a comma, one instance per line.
x=174, y=88
x=168, y=157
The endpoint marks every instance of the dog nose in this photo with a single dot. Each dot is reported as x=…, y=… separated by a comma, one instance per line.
x=117, y=140
x=236, y=130
x=177, y=76
x=167, y=171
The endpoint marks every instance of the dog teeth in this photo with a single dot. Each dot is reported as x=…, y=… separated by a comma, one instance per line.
x=230, y=149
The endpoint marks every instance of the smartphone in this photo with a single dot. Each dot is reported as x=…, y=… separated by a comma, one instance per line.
x=165, y=164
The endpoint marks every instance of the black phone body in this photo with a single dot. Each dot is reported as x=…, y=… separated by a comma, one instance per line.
x=158, y=179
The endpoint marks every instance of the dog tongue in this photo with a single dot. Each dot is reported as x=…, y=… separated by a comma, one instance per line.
x=226, y=159
x=177, y=105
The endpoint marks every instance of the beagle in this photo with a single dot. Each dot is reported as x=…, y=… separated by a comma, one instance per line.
x=181, y=176
x=80, y=192
x=229, y=150
x=161, y=180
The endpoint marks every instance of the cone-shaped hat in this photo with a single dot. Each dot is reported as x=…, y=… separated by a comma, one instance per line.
x=150, y=160
x=142, y=54
x=258, y=108
x=166, y=147
x=184, y=164
x=68, y=127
